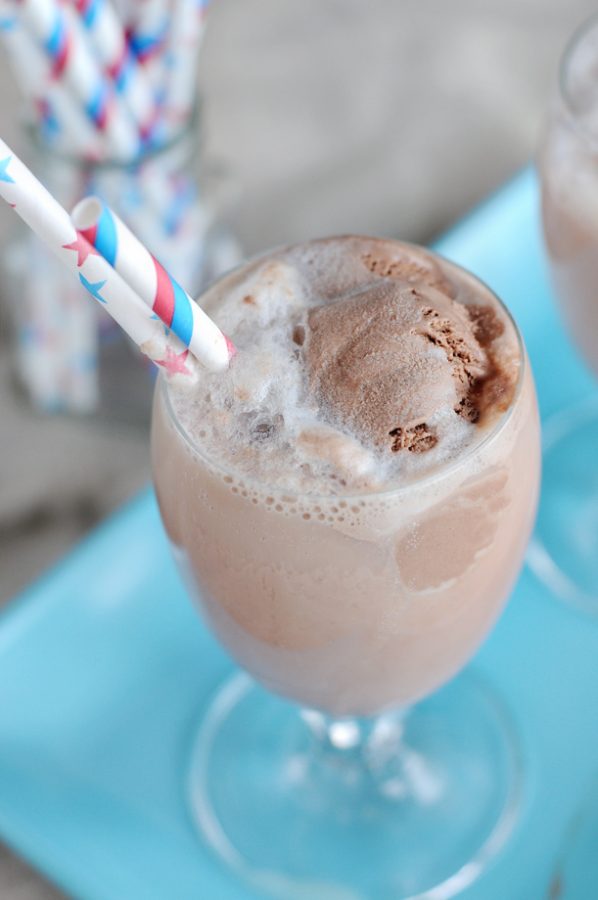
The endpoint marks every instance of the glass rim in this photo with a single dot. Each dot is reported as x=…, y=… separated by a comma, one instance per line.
x=436, y=475
x=565, y=94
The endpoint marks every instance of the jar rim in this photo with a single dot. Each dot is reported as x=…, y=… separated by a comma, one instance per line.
x=189, y=131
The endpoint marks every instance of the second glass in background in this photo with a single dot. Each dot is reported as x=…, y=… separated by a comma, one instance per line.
x=565, y=549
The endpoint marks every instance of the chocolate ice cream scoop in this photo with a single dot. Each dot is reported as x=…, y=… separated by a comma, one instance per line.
x=384, y=362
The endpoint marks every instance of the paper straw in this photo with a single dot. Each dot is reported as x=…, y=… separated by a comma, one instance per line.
x=183, y=254
x=61, y=35
x=108, y=39
x=52, y=224
x=181, y=59
x=150, y=281
x=149, y=31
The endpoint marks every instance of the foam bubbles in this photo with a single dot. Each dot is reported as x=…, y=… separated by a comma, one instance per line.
x=259, y=421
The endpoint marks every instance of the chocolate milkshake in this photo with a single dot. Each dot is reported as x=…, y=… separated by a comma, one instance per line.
x=354, y=496
x=568, y=166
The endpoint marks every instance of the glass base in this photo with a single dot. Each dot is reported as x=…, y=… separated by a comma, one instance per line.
x=564, y=549
x=302, y=806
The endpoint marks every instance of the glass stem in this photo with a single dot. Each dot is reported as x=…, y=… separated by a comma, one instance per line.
x=372, y=750
x=369, y=740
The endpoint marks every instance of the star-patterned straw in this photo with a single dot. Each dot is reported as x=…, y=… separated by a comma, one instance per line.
x=46, y=217
x=110, y=236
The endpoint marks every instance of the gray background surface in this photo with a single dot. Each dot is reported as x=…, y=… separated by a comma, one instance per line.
x=389, y=117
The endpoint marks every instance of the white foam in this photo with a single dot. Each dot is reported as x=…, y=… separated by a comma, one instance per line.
x=258, y=420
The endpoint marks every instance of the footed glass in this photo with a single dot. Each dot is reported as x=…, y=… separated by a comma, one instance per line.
x=564, y=552
x=304, y=805
x=564, y=548
x=346, y=763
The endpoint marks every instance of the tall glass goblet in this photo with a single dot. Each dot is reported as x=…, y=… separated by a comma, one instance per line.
x=335, y=767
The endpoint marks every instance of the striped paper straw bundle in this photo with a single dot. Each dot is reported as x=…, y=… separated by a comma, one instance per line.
x=61, y=35
x=107, y=37
x=137, y=318
x=63, y=125
x=93, y=96
x=133, y=80
x=113, y=84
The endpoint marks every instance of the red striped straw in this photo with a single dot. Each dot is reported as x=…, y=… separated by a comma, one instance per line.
x=157, y=288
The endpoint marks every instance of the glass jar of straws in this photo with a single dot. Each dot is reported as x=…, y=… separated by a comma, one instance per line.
x=69, y=355
x=110, y=111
